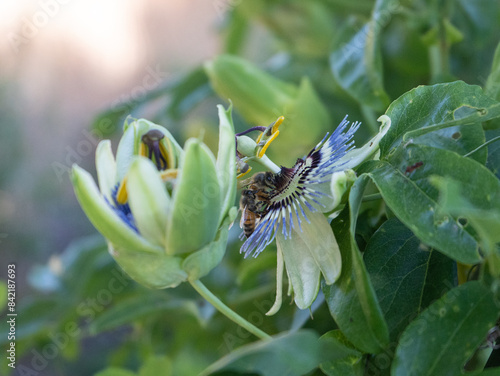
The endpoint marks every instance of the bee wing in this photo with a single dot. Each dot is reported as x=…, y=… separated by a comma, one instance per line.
x=242, y=220
x=244, y=183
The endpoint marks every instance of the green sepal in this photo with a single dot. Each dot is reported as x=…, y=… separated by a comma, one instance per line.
x=154, y=271
x=200, y=263
x=308, y=253
x=257, y=95
x=196, y=201
x=104, y=218
x=226, y=168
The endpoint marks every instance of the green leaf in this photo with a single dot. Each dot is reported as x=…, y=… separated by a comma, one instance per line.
x=407, y=190
x=452, y=111
x=196, y=201
x=236, y=31
x=350, y=366
x=115, y=371
x=342, y=357
x=357, y=64
x=490, y=372
x=187, y=92
x=290, y=354
x=259, y=97
x=156, y=366
x=492, y=87
x=485, y=220
x=109, y=121
x=137, y=307
x=352, y=300
x=446, y=334
x=493, y=161
x=406, y=275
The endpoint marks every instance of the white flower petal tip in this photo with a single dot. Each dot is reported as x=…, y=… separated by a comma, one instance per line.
x=279, y=285
x=357, y=156
x=386, y=124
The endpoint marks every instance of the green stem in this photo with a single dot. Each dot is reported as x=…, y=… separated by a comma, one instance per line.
x=226, y=311
x=439, y=51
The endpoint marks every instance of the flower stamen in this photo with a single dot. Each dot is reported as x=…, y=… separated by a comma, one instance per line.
x=163, y=158
x=121, y=193
x=169, y=174
x=269, y=136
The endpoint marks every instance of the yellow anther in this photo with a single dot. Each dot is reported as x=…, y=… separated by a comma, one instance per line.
x=258, y=138
x=244, y=173
x=266, y=145
x=168, y=153
x=169, y=174
x=121, y=194
x=277, y=123
x=272, y=132
x=143, y=149
x=155, y=146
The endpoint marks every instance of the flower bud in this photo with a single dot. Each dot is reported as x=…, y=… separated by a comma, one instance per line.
x=164, y=210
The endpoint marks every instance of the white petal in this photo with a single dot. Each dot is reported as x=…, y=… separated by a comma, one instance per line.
x=106, y=168
x=279, y=284
x=302, y=270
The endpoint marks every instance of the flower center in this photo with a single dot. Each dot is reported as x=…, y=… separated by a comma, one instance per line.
x=158, y=148
x=266, y=137
x=154, y=149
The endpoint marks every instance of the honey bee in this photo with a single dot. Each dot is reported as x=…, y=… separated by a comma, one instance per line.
x=255, y=198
